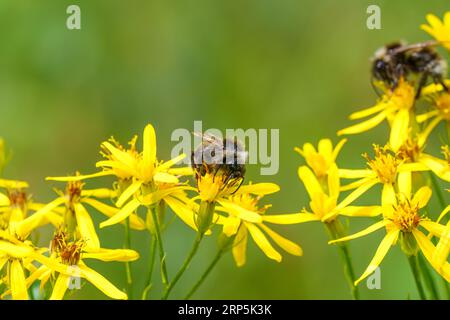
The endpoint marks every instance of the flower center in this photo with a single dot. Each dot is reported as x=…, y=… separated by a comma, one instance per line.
x=249, y=202
x=17, y=199
x=406, y=216
x=409, y=151
x=70, y=252
x=73, y=191
x=404, y=95
x=384, y=164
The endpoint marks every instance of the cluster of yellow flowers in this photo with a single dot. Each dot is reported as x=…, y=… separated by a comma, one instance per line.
x=144, y=187
x=403, y=168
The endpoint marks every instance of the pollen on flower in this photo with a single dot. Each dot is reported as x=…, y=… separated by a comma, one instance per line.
x=384, y=164
x=69, y=252
x=73, y=191
x=442, y=104
x=17, y=198
x=403, y=97
x=410, y=150
x=249, y=202
x=406, y=216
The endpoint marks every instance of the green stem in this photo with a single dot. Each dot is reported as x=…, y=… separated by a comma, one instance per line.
x=335, y=231
x=429, y=281
x=185, y=265
x=128, y=263
x=203, y=221
x=205, y=274
x=152, y=254
x=162, y=253
x=413, y=263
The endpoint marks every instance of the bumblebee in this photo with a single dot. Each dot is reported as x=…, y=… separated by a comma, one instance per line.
x=398, y=60
x=224, y=158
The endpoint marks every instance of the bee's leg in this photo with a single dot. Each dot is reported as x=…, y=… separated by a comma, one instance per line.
x=441, y=81
x=239, y=186
x=422, y=83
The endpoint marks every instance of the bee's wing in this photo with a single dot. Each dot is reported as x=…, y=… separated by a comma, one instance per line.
x=208, y=138
x=416, y=46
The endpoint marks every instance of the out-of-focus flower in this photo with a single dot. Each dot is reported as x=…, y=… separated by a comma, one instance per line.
x=320, y=160
x=440, y=30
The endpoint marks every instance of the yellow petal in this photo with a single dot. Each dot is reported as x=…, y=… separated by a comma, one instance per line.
x=334, y=183
x=128, y=193
x=285, y=244
x=442, y=251
x=290, y=218
x=443, y=213
x=60, y=287
x=422, y=196
x=124, y=213
x=262, y=242
x=149, y=150
x=168, y=164
x=404, y=183
x=184, y=171
x=362, y=233
x=80, y=177
x=368, y=112
x=17, y=281
x=388, y=197
x=354, y=174
x=434, y=228
x=423, y=136
x=4, y=200
x=381, y=252
x=258, y=189
x=14, y=250
x=183, y=211
x=241, y=212
x=231, y=226
x=122, y=157
x=356, y=211
x=399, y=130
x=101, y=283
x=86, y=226
x=240, y=247
x=13, y=184
x=136, y=222
x=164, y=177
x=103, y=193
x=325, y=148
x=364, y=126
x=24, y=228
x=310, y=181
x=356, y=194
x=111, y=254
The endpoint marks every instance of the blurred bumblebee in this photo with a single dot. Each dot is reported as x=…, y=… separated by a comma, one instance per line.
x=399, y=60
x=224, y=158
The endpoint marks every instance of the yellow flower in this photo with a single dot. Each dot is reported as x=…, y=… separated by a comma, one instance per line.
x=395, y=107
x=440, y=30
x=401, y=217
x=246, y=217
x=384, y=168
x=67, y=259
x=70, y=206
x=16, y=256
x=142, y=179
x=441, y=102
x=321, y=160
x=324, y=204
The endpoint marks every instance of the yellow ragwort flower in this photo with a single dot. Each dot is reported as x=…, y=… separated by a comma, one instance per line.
x=440, y=30
x=385, y=168
x=321, y=159
x=401, y=217
x=324, y=203
x=395, y=107
x=67, y=260
x=142, y=179
x=246, y=217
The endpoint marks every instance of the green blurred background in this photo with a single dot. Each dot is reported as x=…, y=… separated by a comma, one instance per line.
x=299, y=66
